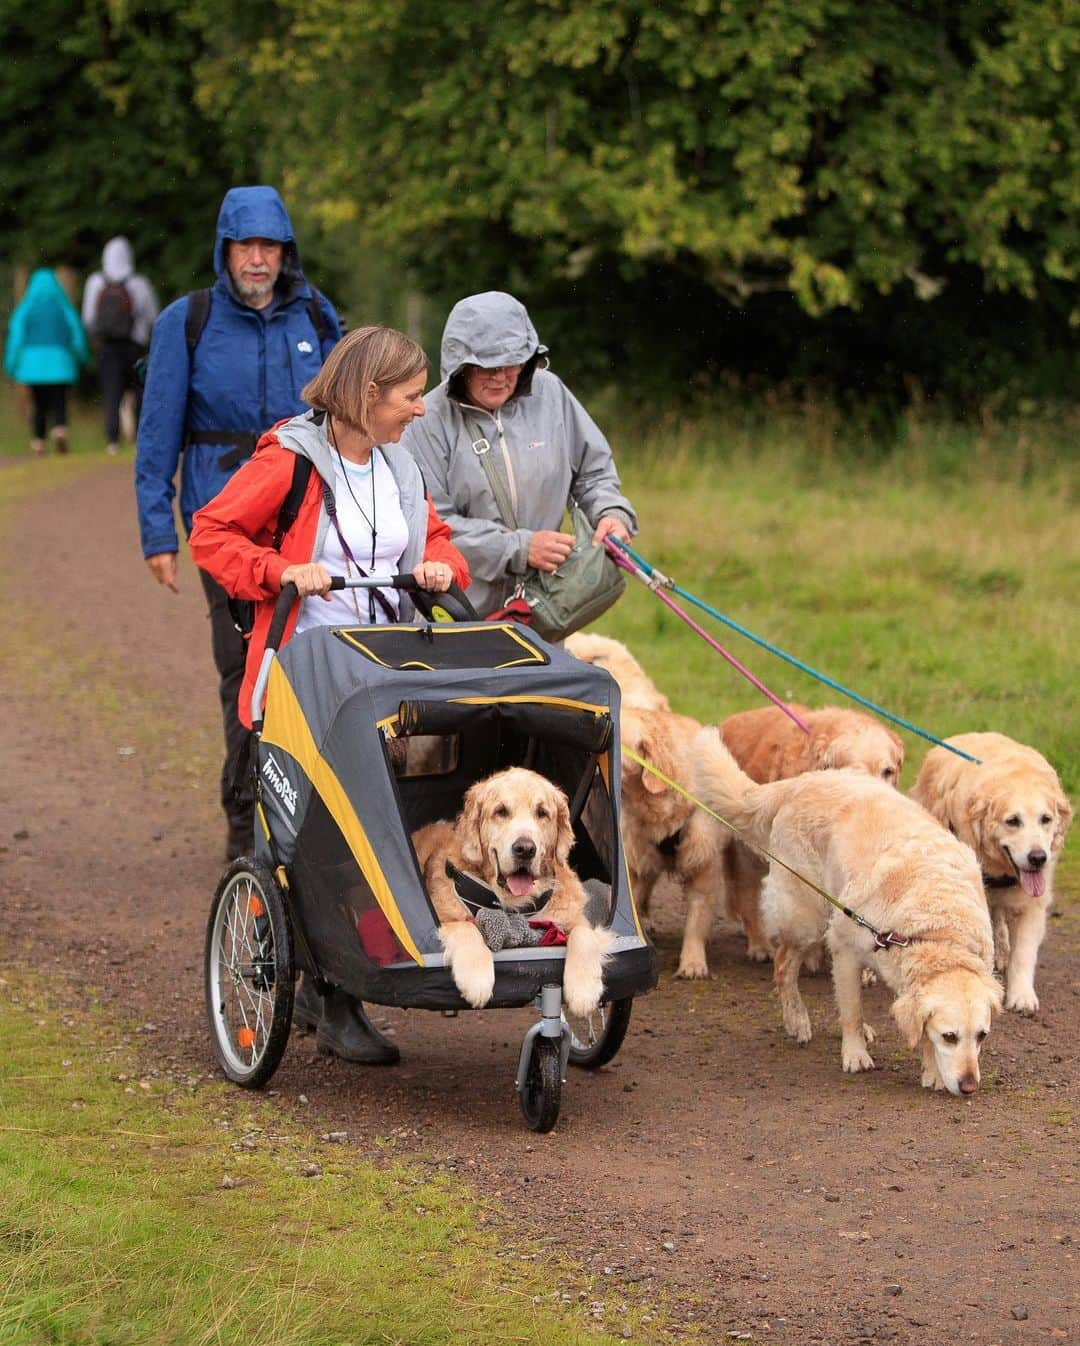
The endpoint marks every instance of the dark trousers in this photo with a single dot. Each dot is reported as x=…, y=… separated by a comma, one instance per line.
x=116, y=368
x=49, y=407
x=230, y=654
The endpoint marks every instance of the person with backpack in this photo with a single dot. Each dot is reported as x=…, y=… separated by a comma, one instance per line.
x=119, y=308
x=225, y=364
x=45, y=349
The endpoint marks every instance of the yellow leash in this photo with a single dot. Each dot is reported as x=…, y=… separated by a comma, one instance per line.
x=883, y=939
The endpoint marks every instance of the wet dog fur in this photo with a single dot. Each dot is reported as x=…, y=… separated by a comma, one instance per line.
x=1011, y=810
x=878, y=853
x=768, y=745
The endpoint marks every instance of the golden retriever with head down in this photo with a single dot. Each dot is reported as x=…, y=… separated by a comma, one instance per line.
x=513, y=834
x=635, y=685
x=1011, y=810
x=883, y=857
x=768, y=745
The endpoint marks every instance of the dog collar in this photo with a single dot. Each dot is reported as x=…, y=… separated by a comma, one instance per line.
x=999, y=880
x=476, y=894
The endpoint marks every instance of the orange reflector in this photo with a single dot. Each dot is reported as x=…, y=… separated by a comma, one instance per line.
x=245, y=1037
x=255, y=905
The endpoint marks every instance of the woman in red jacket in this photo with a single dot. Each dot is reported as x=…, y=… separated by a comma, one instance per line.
x=381, y=520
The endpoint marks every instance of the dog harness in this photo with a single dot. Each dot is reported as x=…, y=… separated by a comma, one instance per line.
x=477, y=895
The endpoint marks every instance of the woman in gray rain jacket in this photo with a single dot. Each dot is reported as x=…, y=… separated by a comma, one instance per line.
x=545, y=445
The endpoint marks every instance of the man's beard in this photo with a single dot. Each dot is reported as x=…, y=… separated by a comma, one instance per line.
x=255, y=290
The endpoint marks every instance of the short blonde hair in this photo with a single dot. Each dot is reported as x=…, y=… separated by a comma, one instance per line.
x=369, y=355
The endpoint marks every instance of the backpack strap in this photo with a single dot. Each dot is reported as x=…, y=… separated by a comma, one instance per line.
x=302, y=470
x=317, y=314
x=196, y=318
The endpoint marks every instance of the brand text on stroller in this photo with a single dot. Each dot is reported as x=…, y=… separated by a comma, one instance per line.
x=280, y=783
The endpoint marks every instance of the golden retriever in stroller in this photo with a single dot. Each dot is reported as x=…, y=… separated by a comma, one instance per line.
x=513, y=835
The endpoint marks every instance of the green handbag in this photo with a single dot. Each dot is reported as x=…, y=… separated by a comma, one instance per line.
x=586, y=584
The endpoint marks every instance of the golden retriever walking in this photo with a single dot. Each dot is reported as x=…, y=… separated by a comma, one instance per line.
x=513, y=834
x=1012, y=811
x=879, y=854
x=768, y=745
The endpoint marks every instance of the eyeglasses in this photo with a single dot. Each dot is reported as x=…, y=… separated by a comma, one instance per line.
x=497, y=372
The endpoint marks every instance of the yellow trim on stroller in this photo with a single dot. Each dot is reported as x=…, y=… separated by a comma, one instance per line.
x=285, y=726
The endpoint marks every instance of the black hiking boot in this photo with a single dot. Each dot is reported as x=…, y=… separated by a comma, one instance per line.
x=341, y=1026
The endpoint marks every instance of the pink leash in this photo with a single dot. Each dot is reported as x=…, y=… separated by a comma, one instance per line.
x=624, y=563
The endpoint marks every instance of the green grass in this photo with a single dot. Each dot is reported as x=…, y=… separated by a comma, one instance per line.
x=116, y=1228
x=949, y=601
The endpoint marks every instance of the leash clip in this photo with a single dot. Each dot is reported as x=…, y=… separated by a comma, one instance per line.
x=889, y=939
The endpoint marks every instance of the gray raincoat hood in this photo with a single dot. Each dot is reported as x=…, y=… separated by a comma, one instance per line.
x=117, y=260
x=489, y=330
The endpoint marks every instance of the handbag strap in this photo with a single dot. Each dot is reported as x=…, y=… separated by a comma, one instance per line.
x=481, y=446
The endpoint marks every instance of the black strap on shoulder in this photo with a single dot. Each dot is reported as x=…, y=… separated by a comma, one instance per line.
x=301, y=475
x=196, y=318
x=317, y=315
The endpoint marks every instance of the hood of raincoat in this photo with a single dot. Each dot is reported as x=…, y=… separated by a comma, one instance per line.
x=254, y=212
x=44, y=285
x=489, y=330
x=117, y=260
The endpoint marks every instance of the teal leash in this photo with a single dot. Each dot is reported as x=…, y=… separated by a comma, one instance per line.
x=658, y=579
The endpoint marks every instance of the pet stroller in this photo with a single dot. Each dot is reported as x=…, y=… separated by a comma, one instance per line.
x=368, y=734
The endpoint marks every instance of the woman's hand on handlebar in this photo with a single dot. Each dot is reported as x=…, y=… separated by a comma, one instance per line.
x=435, y=576
x=309, y=579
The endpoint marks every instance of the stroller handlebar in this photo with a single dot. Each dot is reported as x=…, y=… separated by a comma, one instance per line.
x=451, y=604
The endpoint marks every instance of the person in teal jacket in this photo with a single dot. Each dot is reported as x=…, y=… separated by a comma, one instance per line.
x=46, y=347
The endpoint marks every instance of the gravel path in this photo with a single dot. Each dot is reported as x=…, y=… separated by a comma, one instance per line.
x=740, y=1179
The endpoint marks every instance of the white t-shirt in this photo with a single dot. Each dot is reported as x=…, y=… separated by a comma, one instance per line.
x=366, y=495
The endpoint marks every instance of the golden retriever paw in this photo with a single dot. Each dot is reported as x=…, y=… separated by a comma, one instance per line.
x=797, y=1025
x=758, y=953
x=587, y=949
x=869, y=977
x=1023, y=1001
x=869, y=1034
x=856, y=1058
x=693, y=969
x=471, y=964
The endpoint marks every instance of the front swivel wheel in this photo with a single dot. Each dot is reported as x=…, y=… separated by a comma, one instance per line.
x=541, y=1092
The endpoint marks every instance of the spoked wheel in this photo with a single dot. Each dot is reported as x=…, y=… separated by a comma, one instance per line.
x=541, y=1094
x=249, y=974
x=596, y=1037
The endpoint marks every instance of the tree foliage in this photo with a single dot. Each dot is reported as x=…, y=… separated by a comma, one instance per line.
x=100, y=135
x=795, y=185
x=831, y=149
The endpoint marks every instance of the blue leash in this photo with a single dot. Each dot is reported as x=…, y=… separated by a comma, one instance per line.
x=657, y=577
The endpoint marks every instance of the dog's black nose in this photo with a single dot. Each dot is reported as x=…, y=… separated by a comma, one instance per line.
x=1037, y=858
x=523, y=849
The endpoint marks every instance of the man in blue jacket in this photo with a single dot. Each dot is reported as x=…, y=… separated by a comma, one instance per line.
x=225, y=365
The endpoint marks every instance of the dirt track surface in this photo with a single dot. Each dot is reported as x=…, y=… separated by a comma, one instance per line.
x=714, y=1165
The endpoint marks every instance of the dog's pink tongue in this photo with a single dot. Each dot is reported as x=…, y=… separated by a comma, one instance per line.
x=1033, y=882
x=520, y=883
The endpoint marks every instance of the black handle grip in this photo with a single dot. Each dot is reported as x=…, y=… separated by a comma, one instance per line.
x=282, y=608
x=453, y=602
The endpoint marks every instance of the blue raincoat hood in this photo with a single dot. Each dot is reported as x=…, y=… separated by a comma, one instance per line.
x=253, y=212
